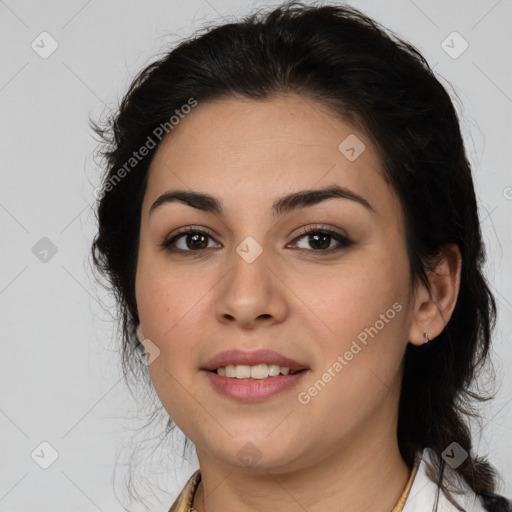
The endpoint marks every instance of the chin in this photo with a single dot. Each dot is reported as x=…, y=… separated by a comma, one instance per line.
x=259, y=453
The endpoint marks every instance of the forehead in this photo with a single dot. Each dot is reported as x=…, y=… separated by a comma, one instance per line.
x=243, y=150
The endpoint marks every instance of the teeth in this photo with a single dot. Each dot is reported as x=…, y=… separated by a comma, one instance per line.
x=274, y=370
x=242, y=371
x=259, y=371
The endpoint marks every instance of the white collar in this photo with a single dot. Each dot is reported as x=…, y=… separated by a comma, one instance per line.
x=423, y=492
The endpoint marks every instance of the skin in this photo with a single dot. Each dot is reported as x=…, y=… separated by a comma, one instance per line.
x=339, y=451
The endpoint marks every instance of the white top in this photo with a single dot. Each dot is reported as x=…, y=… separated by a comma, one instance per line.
x=423, y=492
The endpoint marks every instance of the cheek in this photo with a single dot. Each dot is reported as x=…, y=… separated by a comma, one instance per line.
x=360, y=337
x=172, y=319
x=168, y=295
x=174, y=305
x=343, y=300
x=361, y=353
x=172, y=314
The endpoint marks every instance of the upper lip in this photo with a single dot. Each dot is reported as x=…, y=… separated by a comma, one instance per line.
x=251, y=358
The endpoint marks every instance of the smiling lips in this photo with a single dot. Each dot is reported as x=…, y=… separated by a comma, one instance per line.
x=252, y=376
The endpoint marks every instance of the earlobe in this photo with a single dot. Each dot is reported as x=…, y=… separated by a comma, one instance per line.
x=140, y=334
x=434, y=306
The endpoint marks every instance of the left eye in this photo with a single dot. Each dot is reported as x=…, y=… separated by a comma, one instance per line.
x=322, y=238
x=197, y=240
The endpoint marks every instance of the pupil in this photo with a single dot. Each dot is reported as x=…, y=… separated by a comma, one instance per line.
x=315, y=237
x=195, y=237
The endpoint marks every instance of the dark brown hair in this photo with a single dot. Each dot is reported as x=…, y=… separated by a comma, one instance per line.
x=365, y=74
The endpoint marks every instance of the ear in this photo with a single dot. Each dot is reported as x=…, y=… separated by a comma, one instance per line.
x=433, y=308
x=140, y=334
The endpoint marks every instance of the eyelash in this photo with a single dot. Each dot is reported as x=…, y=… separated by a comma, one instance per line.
x=190, y=230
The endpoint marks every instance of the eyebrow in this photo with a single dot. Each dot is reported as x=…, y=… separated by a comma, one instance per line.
x=285, y=204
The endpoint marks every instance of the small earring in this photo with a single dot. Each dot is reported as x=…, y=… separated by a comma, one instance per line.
x=425, y=338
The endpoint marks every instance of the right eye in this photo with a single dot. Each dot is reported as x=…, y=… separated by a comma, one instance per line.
x=192, y=240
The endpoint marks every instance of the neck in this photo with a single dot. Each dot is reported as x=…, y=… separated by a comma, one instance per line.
x=367, y=473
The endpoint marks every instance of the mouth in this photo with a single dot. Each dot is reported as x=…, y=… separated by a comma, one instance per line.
x=253, y=376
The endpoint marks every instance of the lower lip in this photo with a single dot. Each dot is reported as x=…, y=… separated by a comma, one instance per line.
x=253, y=390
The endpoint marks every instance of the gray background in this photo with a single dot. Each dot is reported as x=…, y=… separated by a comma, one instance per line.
x=60, y=380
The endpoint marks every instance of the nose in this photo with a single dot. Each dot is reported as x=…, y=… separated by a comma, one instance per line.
x=251, y=294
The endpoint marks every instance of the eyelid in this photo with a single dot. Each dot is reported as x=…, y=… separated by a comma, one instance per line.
x=317, y=226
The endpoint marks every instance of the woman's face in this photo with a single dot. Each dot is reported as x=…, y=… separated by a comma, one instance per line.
x=337, y=304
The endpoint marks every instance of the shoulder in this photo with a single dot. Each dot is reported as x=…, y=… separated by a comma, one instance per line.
x=424, y=492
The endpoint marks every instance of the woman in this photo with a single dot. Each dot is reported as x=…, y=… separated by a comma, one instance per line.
x=289, y=223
